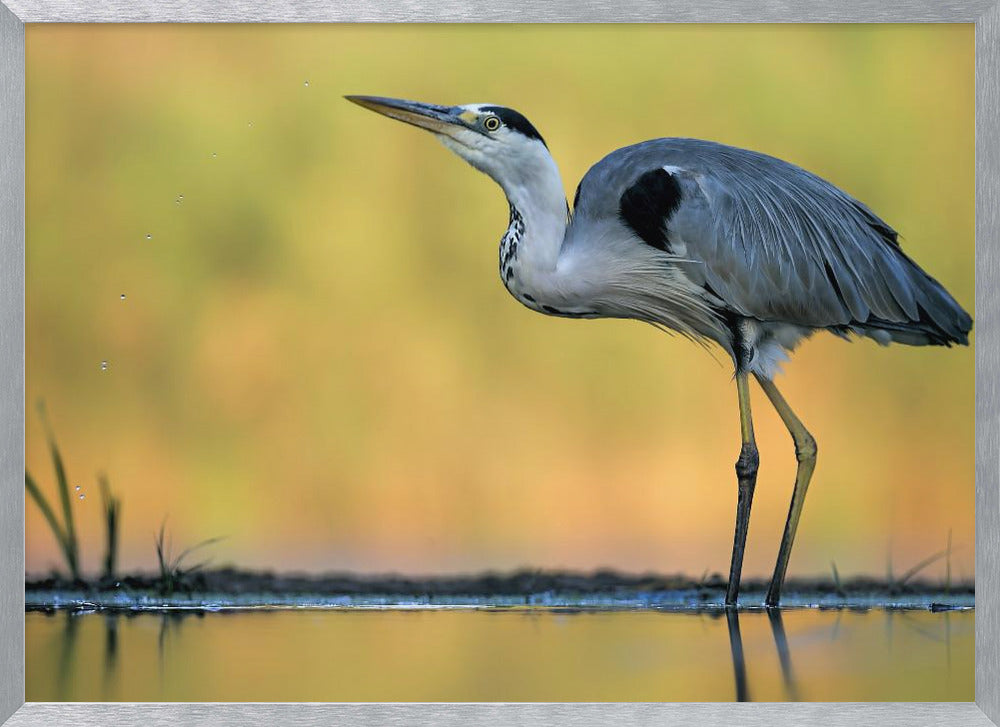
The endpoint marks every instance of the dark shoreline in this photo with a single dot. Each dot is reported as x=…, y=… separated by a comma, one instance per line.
x=233, y=588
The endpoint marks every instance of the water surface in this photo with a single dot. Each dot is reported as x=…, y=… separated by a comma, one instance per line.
x=520, y=654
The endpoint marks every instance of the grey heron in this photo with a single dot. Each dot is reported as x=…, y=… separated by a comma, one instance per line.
x=720, y=244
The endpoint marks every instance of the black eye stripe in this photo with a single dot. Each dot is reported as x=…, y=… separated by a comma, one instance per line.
x=514, y=121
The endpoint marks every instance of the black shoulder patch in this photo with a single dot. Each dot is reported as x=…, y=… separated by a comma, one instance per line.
x=513, y=120
x=647, y=206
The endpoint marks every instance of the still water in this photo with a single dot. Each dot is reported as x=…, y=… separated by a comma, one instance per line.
x=522, y=654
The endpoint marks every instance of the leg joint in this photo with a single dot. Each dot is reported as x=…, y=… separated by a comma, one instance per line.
x=748, y=462
x=805, y=448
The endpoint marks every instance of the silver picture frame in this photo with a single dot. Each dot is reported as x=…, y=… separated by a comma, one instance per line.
x=986, y=16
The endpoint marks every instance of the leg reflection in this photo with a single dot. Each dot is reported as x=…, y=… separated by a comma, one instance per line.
x=739, y=663
x=784, y=655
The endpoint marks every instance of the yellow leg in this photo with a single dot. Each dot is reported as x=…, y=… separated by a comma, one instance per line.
x=746, y=479
x=805, y=453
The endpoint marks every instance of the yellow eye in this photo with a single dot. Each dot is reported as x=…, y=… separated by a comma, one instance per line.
x=491, y=123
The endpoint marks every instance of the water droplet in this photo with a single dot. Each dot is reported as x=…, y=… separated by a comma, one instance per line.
x=81, y=495
x=214, y=155
x=250, y=124
x=149, y=237
x=104, y=365
x=77, y=488
x=180, y=196
x=306, y=84
x=123, y=296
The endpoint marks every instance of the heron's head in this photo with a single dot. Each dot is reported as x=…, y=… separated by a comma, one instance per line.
x=494, y=139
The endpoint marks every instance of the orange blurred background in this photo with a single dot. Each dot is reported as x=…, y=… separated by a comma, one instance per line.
x=315, y=357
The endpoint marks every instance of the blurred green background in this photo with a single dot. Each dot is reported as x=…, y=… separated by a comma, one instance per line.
x=315, y=357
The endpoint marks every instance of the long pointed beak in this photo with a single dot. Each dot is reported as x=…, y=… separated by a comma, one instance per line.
x=439, y=119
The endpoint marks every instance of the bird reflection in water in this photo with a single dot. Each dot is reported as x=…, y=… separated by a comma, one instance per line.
x=739, y=663
x=784, y=656
x=739, y=659
x=160, y=652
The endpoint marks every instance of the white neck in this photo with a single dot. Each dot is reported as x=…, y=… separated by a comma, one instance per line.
x=535, y=191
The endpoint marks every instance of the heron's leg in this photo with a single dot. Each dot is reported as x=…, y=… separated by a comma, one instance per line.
x=805, y=453
x=746, y=479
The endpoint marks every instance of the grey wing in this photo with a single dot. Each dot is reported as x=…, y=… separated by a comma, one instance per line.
x=774, y=242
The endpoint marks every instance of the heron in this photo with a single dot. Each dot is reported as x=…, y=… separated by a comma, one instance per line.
x=725, y=246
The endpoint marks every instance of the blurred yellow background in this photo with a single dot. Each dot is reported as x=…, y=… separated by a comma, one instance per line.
x=315, y=356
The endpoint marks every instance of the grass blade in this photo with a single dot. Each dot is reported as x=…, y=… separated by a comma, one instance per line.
x=947, y=565
x=112, y=521
x=920, y=566
x=62, y=485
x=194, y=569
x=193, y=548
x=890, y=579
x=50, y=517
x=836, y=580
x=161, y=554
x=172, y=574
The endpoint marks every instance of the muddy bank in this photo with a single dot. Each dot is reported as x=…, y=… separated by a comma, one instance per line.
x=234, y=588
